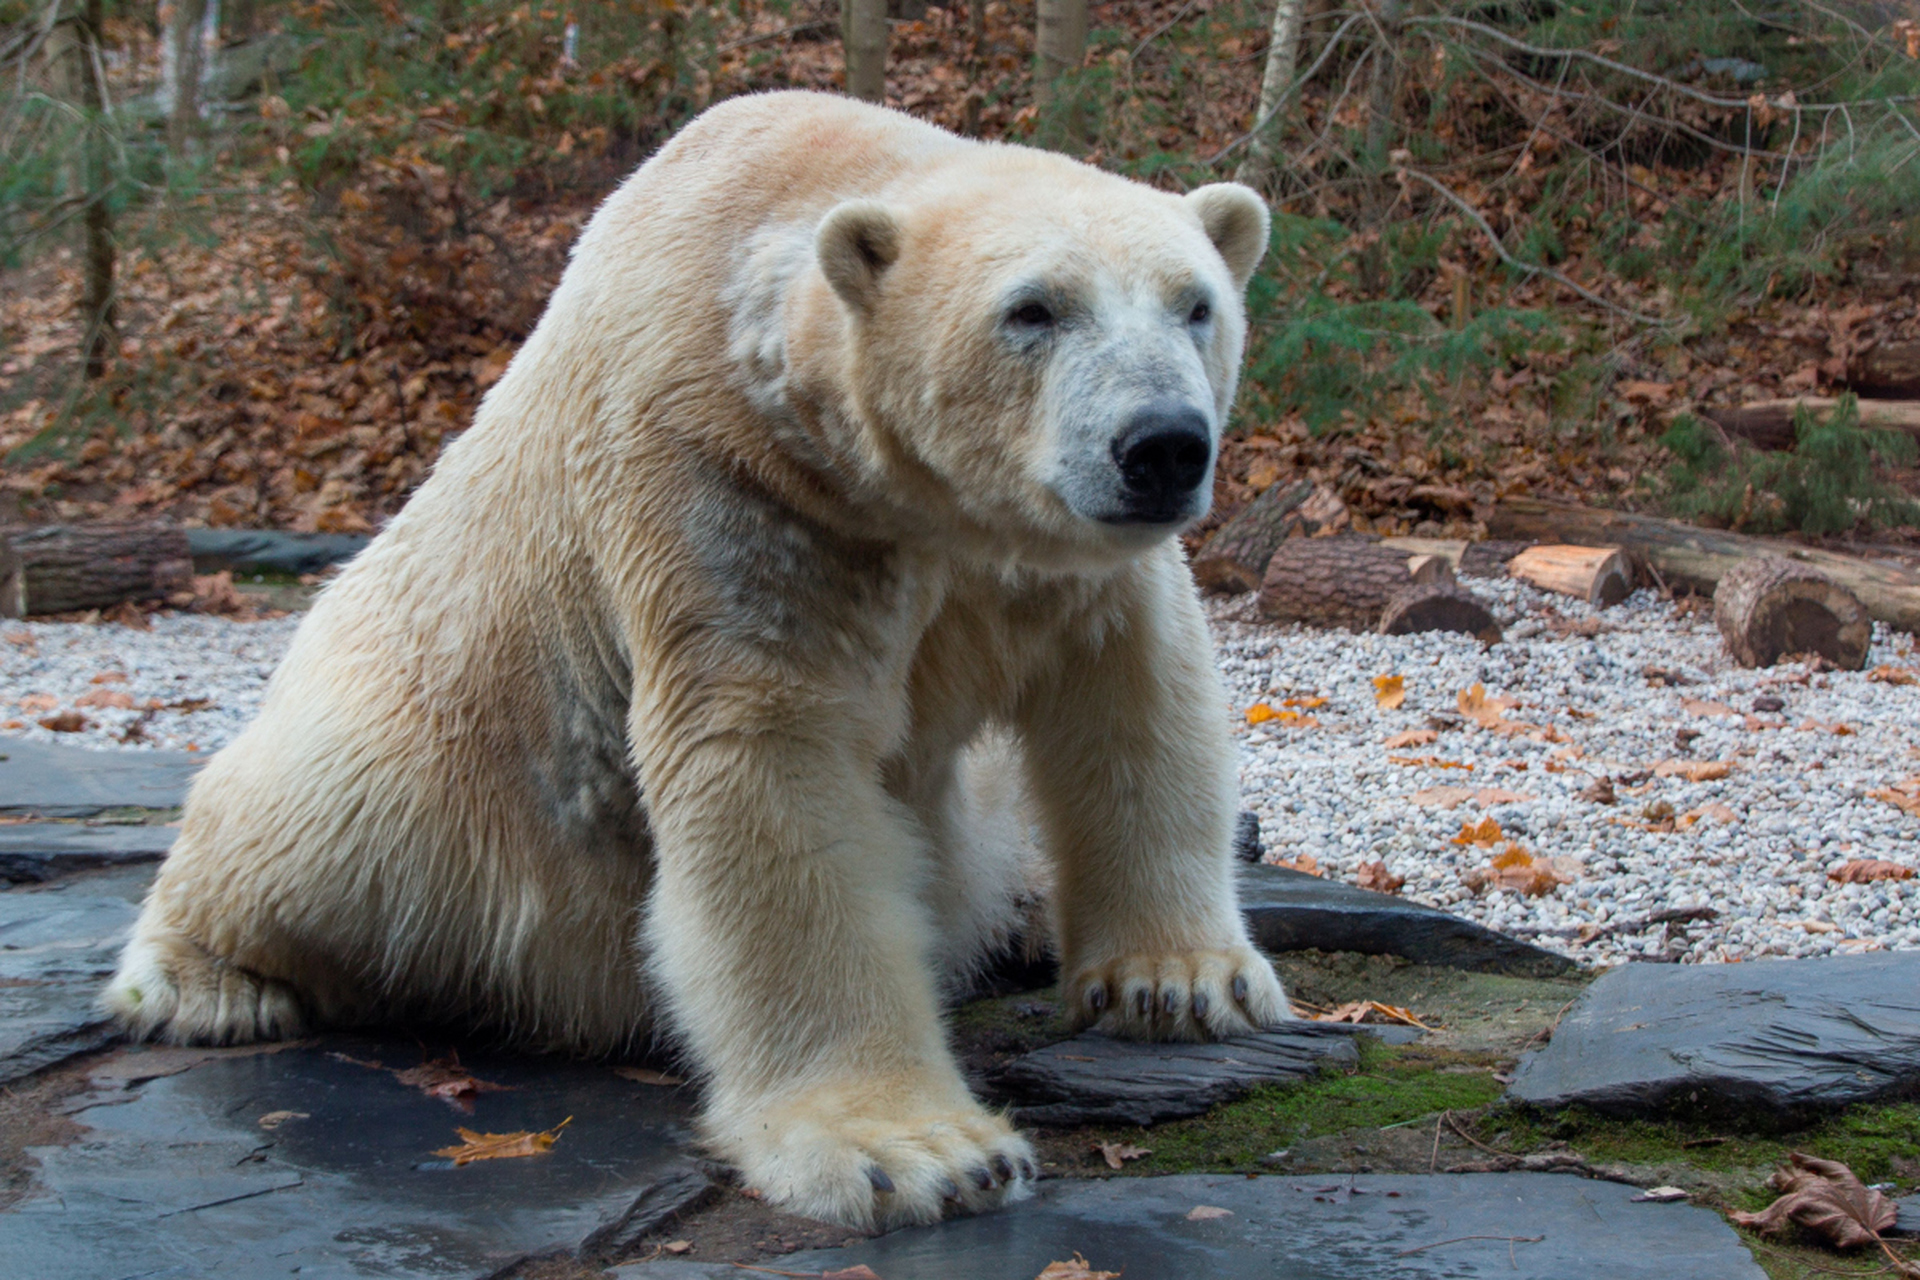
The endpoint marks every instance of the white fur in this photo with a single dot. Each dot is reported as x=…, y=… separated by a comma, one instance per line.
x=719, y=675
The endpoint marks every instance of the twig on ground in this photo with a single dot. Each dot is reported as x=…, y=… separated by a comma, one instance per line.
x=1511, y=1241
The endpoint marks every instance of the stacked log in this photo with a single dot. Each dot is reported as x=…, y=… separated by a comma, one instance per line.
x=1600, y=576
x=1343, y=581
x=1235, y=557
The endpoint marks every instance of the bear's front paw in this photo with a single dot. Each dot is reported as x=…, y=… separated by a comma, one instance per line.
x=1179, y=995
x=876, y=1156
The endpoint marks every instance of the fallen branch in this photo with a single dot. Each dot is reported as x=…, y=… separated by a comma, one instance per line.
x=1768, y=424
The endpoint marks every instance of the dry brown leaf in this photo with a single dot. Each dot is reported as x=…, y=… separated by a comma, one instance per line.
x=1704, y=707
x=1904, y=794
x=1720, y=813
x=1413, y=738
x=1693, y=770
x=1116, y=1154
x=1491, y=713
x=1863, y=870
x=1885, y=674
x=1305, y=862
x=1207, y=1213
x=1518, y=869
x=1375, y=876
x=1078, y=1269
x=1305, y=704
x=38, y=702
x=1260, y=713
x=109, y=677
x=1389, y=692
x=501, y=1146
x=1827, y=1198
x=1487, y=797
x=116, y=698
x=65, y=722
x=1358, y=1011
x=1442, y=797
x=446, y=1079
x=642, y=1075
x=274, y=1119
x=1428, y=762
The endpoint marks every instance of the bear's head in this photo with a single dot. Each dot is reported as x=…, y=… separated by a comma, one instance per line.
x=1039, y=349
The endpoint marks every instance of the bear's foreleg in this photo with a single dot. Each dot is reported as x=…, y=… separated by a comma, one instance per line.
x=1133, y=773
x=792, y=947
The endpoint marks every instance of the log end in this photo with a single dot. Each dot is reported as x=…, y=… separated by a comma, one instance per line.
x=1437, y=607
x=1769, y=608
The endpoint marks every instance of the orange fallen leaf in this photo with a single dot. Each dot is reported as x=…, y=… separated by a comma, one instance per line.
x=1375, y=876
x=1518, y=869
x=1307, y=704
x=641, y=1075
x=1389, y=692
x=1359, y=1011
x=1413, y=738
x=1305, y=862
x=1486, y=831
x=109, y=677
x=501, y=1146
x=1904, y=794
x=1260, y=713
x=1714, y=809
x=1885, y=674
x=1491, y=713
x=1078, y=1269
x=1693, y=770
x=1487, y=797
x=117, y=698
x=38, y=702
x=1116, y=1154
x=1442, y=797
x=1704, y=707
x=1838, y=729
x=1428, y=762
x=1862, y=870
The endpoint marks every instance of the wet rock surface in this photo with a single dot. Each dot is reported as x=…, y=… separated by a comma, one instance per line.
x=1094, y=1079
x=1384, y=1227
x=34, y=852
x=58, y=781
x=58, y=945
x=1792, y=1037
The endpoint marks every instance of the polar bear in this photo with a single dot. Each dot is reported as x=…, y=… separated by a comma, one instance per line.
x=817, y=546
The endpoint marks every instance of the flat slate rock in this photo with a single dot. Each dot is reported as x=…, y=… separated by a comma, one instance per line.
x=34, y=852
x=58, y=946
x=1371, y=1227
x=1095, y=1079
x=1794, y=1037
x=176, y=1176
x=59, y=781
x=1292, y=911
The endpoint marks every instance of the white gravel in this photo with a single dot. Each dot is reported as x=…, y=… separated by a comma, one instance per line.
x=1798, y=792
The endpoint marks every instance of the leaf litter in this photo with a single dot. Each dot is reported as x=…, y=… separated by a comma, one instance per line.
x=1828, y=1199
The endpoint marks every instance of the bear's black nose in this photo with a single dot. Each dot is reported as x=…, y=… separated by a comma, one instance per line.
x=1163, y=456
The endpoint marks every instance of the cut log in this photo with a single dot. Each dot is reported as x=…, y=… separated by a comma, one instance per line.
x=1768, y=424
x=1342, y=581
x=1687, y=556
x=1887, y=369
x=67, y=567
x=1451, y=548
x=1235, y=557
x=1769, y=608
x=1437, y=606
x=1599, y=575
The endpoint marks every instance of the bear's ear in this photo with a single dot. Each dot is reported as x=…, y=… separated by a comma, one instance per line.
x=1236, y=220
x=856, y=243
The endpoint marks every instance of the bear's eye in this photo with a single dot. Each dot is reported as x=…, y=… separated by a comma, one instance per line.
x=1201, y=313
x=1034, y=315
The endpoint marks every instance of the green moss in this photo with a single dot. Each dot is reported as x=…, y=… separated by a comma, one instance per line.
x=1393, y=1085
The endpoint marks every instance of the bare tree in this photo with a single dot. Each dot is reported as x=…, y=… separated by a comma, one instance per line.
x=864, y=34
x=1062, y=44
x=187, y=44
x=86, y=74
x=1283, y=56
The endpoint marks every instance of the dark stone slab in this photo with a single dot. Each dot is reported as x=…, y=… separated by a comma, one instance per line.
x=1373, y=1227
x=1292, y=911
x=1909, y=1224
x=1795, y=1037
x=270, y=551
x=34, y=852
x=1095, y=1079
x=58, y=946
x=175, y=1176
x=59, y=781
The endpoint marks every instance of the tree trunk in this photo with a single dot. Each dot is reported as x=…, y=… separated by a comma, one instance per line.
x=1684, y=555
x=1769, y=608
x=189, y=61
x=61, y=568
x=1600, y=576
x=864, y=33
x=1061, y=43
x=1768, y=424
x=98, y=305
x=1235, y=557
x=1283, y=54
x=1887, y=369
x=1343, y=581
x=1437, y=606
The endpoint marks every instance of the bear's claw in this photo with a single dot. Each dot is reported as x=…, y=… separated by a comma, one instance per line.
x=1191, y=995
